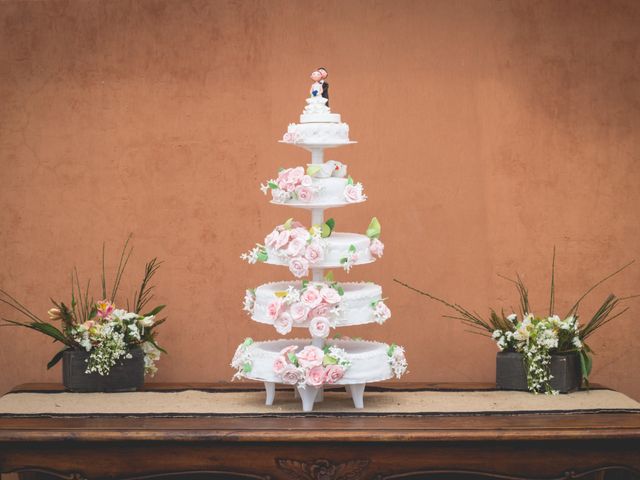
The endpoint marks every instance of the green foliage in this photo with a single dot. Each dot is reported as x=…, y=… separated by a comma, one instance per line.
x=374, y=229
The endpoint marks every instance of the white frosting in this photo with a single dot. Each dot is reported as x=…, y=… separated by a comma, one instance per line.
x=336, y=247
x=369, y=360
x=355, y=303
x=329, y=192
x=317, y=111
x=318, y=134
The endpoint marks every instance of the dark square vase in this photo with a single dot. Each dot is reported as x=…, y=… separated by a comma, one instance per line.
x=511, y=373
x=125, y=376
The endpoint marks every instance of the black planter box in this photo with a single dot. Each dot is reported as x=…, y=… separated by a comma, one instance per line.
x=125, y=376
x=511, y=373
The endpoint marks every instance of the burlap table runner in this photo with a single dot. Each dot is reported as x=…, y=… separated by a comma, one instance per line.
x=250, y=403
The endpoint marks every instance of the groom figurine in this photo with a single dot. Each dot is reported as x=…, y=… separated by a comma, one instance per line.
x=325, y=84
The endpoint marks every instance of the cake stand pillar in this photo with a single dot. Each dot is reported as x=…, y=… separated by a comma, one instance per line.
x=270, y=388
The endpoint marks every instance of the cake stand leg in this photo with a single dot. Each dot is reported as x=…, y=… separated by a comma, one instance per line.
x=270, y=388
x=357, y=394
x=308, y=396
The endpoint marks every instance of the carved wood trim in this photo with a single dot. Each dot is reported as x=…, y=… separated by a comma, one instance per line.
x=222, y=475
x=322, y=469
x=567, y=475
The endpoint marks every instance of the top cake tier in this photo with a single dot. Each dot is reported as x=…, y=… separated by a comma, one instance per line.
x=318, y=127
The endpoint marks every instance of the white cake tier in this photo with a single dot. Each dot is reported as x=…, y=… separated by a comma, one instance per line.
x=320, y=134
x=370, y=361
x=327, y=193
x=356, y=306
x=336, y=247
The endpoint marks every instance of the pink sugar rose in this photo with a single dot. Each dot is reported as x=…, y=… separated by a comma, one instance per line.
x=319, y=327
x=300, y=232
x=271, y=240
x=299, y=267
x=290, y=187
x=376, y=247
x=311, y=297
x=279, y=364
x=283, y=239
x=321, y=310
x=288, y=137
x=283, y=323
x=273, y=308
x=287, y=350
x=333, y=373
x=296, y=224
x=306, y=181
x=310, y=356
x=382, y=311
x=296, y=247
x=314, y=252
x=304, y=194
x=315, y=376
x=353, y=193
x=296, y=175
x=291, y=375
x=299, y=312
x=330, y=295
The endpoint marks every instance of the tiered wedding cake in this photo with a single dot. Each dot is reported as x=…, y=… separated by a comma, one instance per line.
x=321, y=303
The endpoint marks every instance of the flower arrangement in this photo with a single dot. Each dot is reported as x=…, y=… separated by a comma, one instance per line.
x=354, y=192
x=294, y=244
x=311, y=365
x=539, y=337
x=242, y=360
x=397, y=360
x=98, y=327
x=292, y=183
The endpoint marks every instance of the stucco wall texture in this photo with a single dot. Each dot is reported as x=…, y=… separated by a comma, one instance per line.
x=489, y=131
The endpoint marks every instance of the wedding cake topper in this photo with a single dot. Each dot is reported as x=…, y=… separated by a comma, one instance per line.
x=317, y=109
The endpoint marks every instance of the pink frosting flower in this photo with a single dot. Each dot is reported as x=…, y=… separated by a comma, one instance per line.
x=314, y=252
x=382, y=312
x=306, y=181
x=288, y=137
x=291, y=375
x=271, y=240
x=311, y=297
x=279, y=364
x=330, y=295
x=319, y=327
x=333, y=373
x=299, y=312
x=305, y=194
x=321, y=310
x=376, y=247
x=273, y=308
x=283, y=323
x=296, y=174
x=287, y=350
x=299, y=267
x=283, y=239
x=315, y=376
x=310, y=356
x=353, y=193
x=296, y=247
x=300, y=232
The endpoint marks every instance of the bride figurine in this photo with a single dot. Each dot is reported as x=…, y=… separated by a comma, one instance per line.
x=316, y=88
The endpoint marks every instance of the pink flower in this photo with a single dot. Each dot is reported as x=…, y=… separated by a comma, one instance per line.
x=310, y=356
x=296, y=247
x=271, y=240
x=288, y=137
x=279, y=364
x=306, y=181
x=382, y=312
x=333, y=373
x=319, y=327
x=330, y=295
x=305, y=194
x=311, y=297
x=376, y=247
x=315, y=376
x=353, y=193
x=296, y=174
x=273, y=308
x=283, y=323
x=321, y=310
x=299, y=267
x=299, y=312
x=287, y=350
x=291, y=375
x=105, y=308
x=314, y=252
x=300, y=232
x=283, y=238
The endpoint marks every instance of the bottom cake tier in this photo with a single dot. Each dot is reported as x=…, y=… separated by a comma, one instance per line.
x=297, y=362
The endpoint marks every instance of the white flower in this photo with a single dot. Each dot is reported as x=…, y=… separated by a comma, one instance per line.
x=147, y=321
x=512, y=318
x=249, y=302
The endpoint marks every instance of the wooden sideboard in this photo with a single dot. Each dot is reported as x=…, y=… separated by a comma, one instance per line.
x=438, y=447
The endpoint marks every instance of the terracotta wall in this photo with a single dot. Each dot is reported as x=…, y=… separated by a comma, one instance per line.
x=488, y=133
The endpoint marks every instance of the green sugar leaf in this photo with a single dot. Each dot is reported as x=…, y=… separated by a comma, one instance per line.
x=313, y=169
x=352, y=248
x=349, y=180
x=373, y=230
x=287, y=225
x=273, y=186
x=329, y=276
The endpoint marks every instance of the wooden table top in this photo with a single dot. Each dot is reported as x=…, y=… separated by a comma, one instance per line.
x=441, y=428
